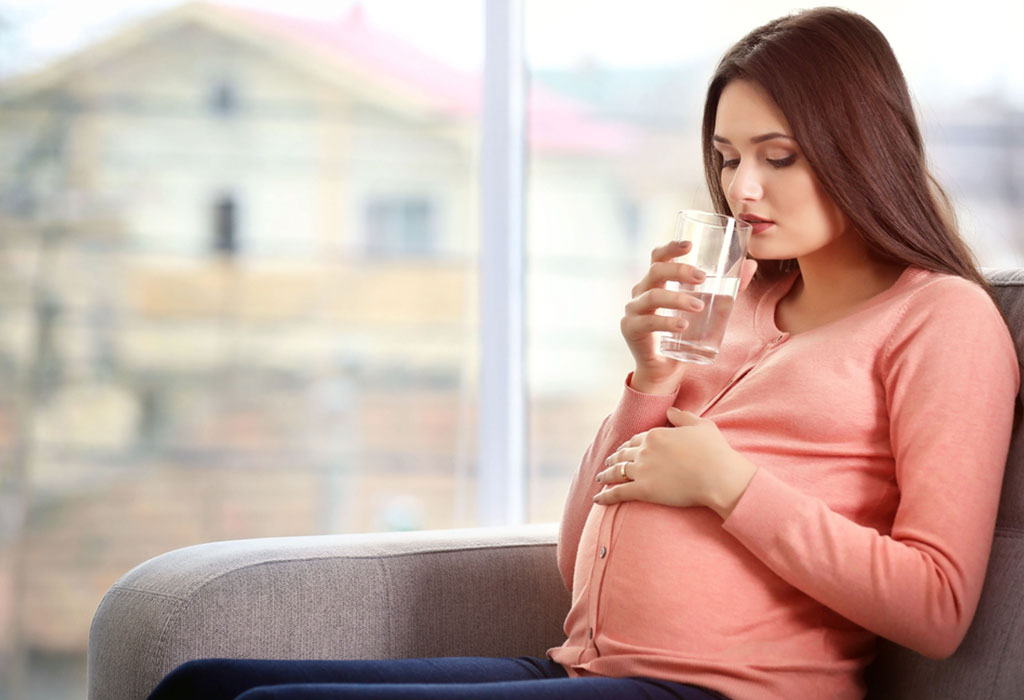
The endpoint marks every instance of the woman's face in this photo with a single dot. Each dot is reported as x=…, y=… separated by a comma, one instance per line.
x=768, y=181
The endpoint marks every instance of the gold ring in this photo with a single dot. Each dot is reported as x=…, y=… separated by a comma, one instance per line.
x=622, y=471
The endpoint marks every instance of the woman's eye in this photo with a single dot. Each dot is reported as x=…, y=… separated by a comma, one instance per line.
x=782, y=162
x=730, y=163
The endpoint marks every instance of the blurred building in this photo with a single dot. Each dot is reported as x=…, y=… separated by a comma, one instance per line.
x=238, y=295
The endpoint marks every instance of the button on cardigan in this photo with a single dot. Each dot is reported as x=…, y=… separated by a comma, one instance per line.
x=879, y=440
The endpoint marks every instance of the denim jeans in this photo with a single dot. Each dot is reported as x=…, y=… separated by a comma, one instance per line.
x=457, y=678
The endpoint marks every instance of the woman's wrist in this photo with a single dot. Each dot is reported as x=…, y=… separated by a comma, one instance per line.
x=731, y=486
x=645, y=385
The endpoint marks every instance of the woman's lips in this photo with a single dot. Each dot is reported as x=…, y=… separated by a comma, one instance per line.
x=758, y=225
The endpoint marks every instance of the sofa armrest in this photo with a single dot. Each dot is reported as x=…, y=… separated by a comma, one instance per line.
x=482, y=592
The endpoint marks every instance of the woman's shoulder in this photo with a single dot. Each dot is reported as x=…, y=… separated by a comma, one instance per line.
x=925, y=291
x=928, y=308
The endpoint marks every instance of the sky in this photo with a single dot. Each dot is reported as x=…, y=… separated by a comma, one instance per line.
x=943, y=50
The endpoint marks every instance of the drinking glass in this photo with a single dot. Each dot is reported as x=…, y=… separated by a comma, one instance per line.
x=718, y=247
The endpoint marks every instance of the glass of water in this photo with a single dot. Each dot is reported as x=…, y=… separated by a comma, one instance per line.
x=718, y=247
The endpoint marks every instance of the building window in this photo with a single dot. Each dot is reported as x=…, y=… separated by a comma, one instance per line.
x=223, y=98
x=225, y=226
x=401, y=227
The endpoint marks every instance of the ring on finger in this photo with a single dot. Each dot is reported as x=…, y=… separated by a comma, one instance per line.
x=622, y=472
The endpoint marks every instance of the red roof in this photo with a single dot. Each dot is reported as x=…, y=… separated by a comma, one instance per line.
x=554, y=122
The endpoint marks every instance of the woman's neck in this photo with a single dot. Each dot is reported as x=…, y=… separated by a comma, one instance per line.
x=832, y=284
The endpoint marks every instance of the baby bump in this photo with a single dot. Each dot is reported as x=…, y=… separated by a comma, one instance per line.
x=675, y=580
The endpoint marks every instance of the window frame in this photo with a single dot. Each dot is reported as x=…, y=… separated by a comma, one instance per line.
x=501, y=464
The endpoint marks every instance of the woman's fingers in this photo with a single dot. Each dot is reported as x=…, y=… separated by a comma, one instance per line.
x=619, y=473
x=682, y=419
x=659, y=298
x=641, y=319
x=621, y=464
x=672, y=249
x=661, y=272
x=630, y=491
x=626, y=453
x=634, y=441
x=640, y=326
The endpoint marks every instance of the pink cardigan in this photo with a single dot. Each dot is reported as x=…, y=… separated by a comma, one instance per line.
x=880, y=441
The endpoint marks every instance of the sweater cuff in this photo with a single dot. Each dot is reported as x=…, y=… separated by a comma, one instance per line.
x=762, y=506
x=638, y=412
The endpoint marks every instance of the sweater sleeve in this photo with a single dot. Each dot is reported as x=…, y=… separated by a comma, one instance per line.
x=635, y=413
x=951, y=376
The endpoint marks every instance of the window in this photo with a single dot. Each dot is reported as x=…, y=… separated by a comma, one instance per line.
x=225, y=229
x=223, y=99
x=152, y=398
x=401, y=227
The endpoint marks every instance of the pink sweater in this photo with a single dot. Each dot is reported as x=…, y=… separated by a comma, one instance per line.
x=880, y=441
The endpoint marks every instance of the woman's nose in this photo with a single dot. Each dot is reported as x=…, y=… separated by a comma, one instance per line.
x=745, y=184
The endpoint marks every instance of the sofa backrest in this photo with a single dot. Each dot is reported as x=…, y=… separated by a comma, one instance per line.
x=990, y=662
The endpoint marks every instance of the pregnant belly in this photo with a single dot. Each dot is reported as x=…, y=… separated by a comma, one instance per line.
x=676, y=581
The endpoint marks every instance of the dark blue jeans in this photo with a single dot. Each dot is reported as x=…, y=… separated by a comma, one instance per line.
x=459, y=678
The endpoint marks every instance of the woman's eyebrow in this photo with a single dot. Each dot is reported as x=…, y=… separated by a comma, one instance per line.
x=757, y=139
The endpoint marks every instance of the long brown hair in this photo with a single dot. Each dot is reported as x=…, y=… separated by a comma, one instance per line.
x=837, y=81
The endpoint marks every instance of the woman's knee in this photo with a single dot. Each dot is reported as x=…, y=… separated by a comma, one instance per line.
x=261, y=693
x=195, y=679
x=305, y=692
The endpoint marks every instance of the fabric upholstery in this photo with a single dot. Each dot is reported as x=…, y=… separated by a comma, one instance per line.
x=342, y=596
x=438, y=593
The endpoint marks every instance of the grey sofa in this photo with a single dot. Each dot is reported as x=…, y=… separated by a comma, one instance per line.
x=490, y=592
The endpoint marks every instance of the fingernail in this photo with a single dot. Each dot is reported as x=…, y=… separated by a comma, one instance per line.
x=699, y=275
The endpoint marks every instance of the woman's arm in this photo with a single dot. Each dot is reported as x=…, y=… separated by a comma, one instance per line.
x=650, y=389
x=635, y=413
x=951, y=378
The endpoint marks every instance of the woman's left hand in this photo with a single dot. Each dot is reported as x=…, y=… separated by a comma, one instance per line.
x=690, y=464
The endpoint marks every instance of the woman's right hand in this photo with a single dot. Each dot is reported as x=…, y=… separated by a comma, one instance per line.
x=655, y=373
